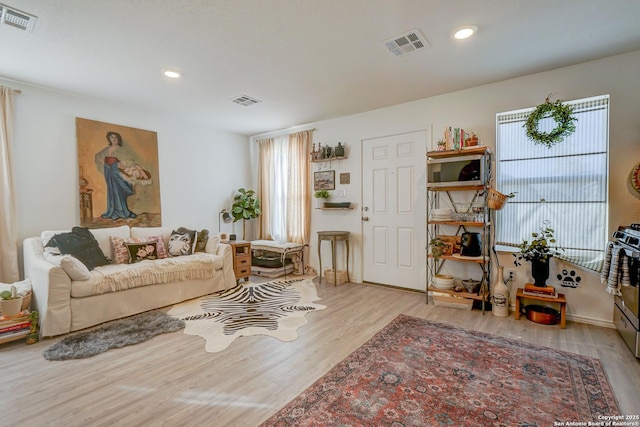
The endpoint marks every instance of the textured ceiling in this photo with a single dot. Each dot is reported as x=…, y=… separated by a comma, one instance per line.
x=306, y=60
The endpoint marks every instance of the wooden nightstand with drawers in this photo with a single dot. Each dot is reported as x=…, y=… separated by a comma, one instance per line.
x=241, y=252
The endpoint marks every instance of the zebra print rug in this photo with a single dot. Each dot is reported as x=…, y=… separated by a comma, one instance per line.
x=276, y=308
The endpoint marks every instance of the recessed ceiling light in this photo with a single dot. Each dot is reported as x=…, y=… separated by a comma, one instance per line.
x=172, y=74
x=465, y=32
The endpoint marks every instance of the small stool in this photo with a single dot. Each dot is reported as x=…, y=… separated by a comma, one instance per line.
x=333, y=237
x=560, y=300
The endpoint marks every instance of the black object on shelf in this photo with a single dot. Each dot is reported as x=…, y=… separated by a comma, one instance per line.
x=337, y=204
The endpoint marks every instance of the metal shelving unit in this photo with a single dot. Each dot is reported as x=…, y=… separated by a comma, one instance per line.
x=445, y=196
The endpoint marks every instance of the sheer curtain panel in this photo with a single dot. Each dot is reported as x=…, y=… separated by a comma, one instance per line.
x=284, y=187
x=9, y=271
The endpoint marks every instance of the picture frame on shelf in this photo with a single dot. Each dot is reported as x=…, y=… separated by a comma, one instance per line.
x=324, y=180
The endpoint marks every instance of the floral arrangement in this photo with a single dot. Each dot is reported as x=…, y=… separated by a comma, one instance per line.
x=540, y=248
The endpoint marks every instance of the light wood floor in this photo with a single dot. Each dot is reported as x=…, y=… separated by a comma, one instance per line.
x=171, y=381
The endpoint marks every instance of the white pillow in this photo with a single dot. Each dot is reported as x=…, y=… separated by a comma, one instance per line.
x=144, y=232
x=22, y=288
x=212, y=245
x=103, y=235
x=71, y=265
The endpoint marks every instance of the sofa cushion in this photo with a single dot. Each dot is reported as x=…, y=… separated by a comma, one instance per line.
x=80, y=243
x=182, y=241
x=71, y=265
x=103, y=236
x=201, y=242
x=121, y=253
x=142, y=232
x=212, y=244
x=142, y=251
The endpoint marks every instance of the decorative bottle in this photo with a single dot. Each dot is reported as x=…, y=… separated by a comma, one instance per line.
x=339, y=150
x=499, y=295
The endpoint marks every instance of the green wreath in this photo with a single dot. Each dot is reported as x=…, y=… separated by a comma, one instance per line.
x=561, y=113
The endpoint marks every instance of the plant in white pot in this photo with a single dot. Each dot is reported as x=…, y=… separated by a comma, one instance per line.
x=10, y=303
x=321, y=196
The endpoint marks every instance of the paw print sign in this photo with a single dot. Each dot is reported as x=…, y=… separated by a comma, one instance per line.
x=569, y=279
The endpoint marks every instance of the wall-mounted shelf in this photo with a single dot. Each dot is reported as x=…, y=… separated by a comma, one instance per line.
x=328, y=160
x=335, y=209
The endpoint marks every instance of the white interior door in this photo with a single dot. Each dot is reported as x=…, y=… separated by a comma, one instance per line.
x=394, y=209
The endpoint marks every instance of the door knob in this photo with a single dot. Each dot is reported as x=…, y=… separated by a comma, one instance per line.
x=365, y=218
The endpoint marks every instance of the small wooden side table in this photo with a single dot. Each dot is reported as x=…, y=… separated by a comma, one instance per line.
x=560, y=300
x=333, y=237
x=241, y=252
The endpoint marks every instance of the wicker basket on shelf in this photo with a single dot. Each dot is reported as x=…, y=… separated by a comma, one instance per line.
x=495, y=199
x=26, y=301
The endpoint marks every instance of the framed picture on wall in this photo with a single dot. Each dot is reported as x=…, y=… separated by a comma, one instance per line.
x=325, y=180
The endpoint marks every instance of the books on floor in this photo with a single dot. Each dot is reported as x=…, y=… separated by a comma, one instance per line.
x=14, y=326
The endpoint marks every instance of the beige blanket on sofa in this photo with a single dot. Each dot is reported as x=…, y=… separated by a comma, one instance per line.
x=117, y=277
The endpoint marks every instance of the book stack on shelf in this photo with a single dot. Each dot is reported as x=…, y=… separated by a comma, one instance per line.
x=539, y=291
x=16, y=327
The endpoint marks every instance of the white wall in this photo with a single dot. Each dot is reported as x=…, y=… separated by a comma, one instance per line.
x=200, y=167
x=475, y=109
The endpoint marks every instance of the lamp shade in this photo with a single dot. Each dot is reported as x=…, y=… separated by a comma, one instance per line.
x=224, y=216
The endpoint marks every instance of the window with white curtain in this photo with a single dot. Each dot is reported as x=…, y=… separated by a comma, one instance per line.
x=279, y=189
x=565, y=185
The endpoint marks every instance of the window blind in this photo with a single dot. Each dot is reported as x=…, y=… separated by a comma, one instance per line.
x=566, y=184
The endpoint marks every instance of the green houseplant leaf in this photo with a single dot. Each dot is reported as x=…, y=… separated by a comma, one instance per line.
x=245, y=205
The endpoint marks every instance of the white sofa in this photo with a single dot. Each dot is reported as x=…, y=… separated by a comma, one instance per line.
x=119, y=290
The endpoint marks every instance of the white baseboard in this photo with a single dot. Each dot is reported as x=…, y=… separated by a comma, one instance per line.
x=589, y=321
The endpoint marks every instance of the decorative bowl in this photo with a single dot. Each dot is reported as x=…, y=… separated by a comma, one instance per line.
x=443, y=281
x=471, y=285
x=441, y=212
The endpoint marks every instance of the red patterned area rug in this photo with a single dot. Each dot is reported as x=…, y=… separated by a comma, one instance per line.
x=420, y=373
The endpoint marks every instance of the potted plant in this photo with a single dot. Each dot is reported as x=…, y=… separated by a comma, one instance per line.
x=245, y=206
x=538, y=251
x=10, y=303
x=438, y=248
x=322, y=196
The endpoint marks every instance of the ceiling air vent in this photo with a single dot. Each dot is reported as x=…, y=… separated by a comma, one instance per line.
x=17, y=18
x=409, y=42
x=246, y=100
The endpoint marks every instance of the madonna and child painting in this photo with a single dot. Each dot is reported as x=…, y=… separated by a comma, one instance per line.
x=118, y=175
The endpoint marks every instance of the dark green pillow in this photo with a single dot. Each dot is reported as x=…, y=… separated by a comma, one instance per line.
x=80, y=243
x=201, y=243
x=142, y=251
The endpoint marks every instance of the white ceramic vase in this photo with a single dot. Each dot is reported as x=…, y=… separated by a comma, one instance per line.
x=499, y=295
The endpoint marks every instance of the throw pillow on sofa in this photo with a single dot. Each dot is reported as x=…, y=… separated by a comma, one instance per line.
x=142, y=251
x=182, y=241
x=80, y=243
x=212, y=244
x=121, y=253
x=201, y=242
x=71, y=265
